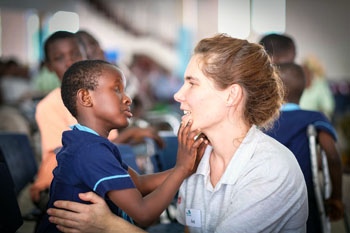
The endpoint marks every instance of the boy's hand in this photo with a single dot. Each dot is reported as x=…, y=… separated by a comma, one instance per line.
x=334, y=209
x=191, y=148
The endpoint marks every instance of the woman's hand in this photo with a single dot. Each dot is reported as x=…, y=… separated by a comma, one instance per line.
x=77, y=217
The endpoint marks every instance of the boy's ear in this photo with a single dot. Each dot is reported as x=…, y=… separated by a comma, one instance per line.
x=84, y=98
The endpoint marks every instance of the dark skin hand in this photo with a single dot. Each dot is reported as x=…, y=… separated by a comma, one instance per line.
x=334, y=205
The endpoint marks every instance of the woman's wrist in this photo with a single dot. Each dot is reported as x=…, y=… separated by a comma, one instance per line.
x=115, y=224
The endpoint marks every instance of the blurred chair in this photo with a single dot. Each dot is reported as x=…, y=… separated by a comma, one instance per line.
x=321, y=180
x=128, y=156
x=10, y=214
x=19, y=156
x=20, y=160
x=165, y=158
x=164, y=121
x=320, y=176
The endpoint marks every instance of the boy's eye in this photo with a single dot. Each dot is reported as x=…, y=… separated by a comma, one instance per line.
x=58, y=58
x=76, y=55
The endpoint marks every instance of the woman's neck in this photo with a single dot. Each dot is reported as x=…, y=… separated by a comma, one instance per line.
x=224, y=147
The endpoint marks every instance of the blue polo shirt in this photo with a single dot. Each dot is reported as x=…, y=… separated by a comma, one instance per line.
x=87, y=162
x=291, y=130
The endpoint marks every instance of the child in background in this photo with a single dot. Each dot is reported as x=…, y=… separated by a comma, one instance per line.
x=93, y=92
x=290, y=129
x=61, y=50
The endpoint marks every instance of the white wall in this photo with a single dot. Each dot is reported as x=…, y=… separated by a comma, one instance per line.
x=322, y=28
x=319, y=27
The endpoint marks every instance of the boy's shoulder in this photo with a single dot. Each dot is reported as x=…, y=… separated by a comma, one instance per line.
x=303, y=118
x=75, y=136
x=303, y=115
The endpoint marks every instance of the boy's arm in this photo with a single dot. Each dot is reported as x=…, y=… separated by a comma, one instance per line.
x=335, y=207
x=149, y=182
x=131, y=200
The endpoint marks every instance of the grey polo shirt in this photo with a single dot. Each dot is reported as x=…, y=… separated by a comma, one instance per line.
x=262, y=190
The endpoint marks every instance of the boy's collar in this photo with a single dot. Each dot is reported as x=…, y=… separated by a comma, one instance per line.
x=83, y=128
x=290, y=107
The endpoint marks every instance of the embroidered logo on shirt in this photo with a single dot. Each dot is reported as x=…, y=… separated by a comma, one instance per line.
x=193, y=217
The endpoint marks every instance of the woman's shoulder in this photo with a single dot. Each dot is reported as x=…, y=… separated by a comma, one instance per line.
x=274, y=153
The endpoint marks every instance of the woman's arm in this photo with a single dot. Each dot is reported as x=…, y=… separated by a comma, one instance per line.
x=96, y=217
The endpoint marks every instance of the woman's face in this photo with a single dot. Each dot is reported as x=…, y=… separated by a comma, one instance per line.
x=199, y=99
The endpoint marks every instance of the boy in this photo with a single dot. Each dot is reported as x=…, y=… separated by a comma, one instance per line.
x=290, y=129
x=93, y=92
x=62, y=49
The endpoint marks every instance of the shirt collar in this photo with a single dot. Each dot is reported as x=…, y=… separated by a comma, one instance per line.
x=242, y=156
x=290, y=107
x=83, y=128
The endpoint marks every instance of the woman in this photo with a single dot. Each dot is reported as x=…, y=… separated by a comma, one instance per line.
x=246, y=181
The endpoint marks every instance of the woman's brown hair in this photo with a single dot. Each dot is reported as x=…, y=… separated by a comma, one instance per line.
x=228, y=60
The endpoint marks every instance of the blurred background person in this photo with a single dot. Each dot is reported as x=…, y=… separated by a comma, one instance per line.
x=317, y=94
x=280, y=47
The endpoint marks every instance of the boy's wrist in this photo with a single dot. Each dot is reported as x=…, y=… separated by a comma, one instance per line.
x=182, y=171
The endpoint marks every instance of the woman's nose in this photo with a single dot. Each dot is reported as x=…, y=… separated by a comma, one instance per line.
x=178, y=96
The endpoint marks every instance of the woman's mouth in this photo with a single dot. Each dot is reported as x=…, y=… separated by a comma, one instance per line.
x=186, y=115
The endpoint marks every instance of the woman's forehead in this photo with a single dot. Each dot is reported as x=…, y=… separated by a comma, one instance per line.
x=194, y=65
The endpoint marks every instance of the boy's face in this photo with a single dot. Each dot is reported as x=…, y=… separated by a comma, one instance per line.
x=62, y=54
x=111, y=104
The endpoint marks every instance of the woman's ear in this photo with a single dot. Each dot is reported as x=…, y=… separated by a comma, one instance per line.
x=84, y=98
x=235, y=95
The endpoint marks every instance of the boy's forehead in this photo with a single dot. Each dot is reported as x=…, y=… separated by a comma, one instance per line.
x=115, y=71
x=72, y=42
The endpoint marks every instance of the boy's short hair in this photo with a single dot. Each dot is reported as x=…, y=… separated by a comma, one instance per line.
x=81, y=75
x=277, y=44
x=293, y=78
x=59, y=35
